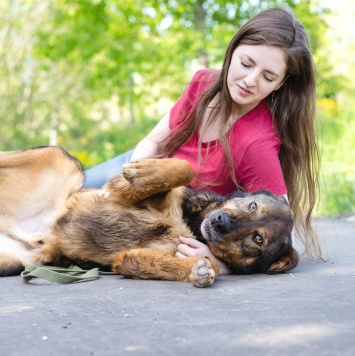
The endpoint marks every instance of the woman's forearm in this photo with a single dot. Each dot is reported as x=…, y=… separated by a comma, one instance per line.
x=145, y=149
x=149, y=146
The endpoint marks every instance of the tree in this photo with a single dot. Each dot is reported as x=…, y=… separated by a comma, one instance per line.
x=33, y=91
x=116, y=41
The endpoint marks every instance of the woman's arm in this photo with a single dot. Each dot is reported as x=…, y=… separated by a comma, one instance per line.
x=150, y=145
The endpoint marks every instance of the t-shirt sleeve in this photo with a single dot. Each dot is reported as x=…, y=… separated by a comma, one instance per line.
x=261, y=168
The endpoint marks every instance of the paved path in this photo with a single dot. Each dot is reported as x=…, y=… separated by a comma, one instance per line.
x=310, y=311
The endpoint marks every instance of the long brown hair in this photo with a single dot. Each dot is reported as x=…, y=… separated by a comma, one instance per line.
x=293, y=105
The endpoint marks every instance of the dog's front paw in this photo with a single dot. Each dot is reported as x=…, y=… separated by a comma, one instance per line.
x=202, y=273
x=138, y=172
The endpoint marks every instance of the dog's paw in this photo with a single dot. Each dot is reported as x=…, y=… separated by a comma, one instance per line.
x=135, y=172
x=202, y=273
x=147, y=171
x=128, y=173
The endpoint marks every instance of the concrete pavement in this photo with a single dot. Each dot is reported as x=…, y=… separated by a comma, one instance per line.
x=309, y=311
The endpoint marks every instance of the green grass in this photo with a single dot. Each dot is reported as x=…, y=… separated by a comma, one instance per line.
x=337, y=142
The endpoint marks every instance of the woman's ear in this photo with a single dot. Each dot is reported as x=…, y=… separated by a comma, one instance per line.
x=288, y=260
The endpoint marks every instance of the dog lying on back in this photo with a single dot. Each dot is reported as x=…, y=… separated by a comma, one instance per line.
x=133, y=225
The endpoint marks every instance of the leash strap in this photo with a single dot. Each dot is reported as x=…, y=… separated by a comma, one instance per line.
x=59, y=274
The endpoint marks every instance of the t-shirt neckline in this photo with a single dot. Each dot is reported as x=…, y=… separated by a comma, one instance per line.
x=212, y=143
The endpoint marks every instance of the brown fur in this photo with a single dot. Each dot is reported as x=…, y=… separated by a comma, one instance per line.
x=133, y=224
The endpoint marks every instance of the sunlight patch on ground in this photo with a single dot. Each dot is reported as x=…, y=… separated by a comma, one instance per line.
x=289, y=335
x=14, y=309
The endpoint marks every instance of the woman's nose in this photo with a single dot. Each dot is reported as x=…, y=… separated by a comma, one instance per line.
x=251, y=79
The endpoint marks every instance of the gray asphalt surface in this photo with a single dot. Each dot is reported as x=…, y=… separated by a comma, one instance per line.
x=310, y=311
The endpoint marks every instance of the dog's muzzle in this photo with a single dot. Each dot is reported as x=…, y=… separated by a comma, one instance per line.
x=216, y=225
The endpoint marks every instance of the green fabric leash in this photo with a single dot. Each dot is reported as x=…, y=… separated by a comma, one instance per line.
x=61, y=275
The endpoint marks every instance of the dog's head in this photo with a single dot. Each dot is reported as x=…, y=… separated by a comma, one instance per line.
x=252, y=233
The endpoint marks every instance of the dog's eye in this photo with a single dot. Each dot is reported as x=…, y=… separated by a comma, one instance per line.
x=258, y=239
x=253, y=207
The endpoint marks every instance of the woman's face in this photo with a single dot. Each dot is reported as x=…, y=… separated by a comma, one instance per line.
x=255, y=72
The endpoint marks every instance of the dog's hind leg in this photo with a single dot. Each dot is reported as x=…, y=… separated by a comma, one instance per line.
x=36, y=181
x=150, y=263
x=10, y=265
x=15, y=253
x=19, y=247
x=147, y=177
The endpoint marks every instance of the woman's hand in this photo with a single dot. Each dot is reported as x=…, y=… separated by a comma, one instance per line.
x=193, y=248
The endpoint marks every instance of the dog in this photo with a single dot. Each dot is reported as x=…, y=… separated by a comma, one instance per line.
x=132, y=225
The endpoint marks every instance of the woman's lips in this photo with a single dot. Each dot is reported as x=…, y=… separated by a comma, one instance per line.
x=244, y=91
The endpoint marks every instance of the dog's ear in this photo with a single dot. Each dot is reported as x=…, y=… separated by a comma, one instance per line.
x=288, y=260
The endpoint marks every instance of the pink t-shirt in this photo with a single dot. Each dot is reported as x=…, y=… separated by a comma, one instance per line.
x=254, y=143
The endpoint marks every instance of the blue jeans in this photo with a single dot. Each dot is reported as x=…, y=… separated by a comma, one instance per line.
x=99, y=175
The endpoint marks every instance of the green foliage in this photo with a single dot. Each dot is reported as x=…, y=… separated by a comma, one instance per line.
x=113, y=39
x=338, y=194
x=98, y=146
x=337, y=140
x=328, y=82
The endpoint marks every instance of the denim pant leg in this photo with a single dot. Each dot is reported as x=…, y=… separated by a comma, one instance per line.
x=99, y=175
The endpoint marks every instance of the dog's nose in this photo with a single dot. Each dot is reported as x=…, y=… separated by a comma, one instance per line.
x=221, y=223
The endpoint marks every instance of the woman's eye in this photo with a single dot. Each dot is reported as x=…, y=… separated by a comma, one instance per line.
x=253, y=207
x=267, y=79
x=245, y=65
x=258, y=239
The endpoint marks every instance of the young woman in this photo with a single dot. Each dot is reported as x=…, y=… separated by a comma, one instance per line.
x=248, y=126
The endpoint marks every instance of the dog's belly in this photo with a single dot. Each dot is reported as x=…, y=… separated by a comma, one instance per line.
x=11, y=246
x=40, y=222
x=98, y=234
x=16, y=250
